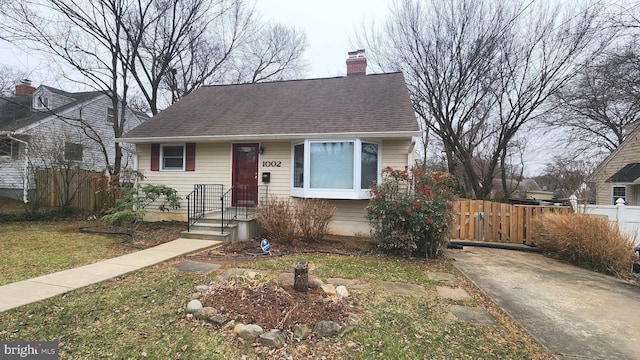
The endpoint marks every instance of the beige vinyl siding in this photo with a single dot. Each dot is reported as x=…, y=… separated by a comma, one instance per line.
x=629, y=153
x=395, y=153
x=276, y=153
x=213, y=166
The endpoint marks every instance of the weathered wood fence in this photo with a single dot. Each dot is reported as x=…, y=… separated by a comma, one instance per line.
x=496, y=222
x=76, y=189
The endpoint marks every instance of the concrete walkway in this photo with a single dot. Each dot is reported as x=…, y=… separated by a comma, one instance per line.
x=43, y=287
x=573, y=312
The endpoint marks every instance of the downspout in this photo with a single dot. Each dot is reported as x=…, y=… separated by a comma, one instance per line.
x=25, y=179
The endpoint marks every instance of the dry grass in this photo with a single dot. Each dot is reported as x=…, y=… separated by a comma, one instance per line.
x=586, y=241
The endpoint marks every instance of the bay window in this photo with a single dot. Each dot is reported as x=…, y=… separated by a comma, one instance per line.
x=341, y=169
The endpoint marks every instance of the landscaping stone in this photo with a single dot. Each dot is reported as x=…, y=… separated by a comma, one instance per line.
x=340, y=281
x=285, y=279
x=218, y=320
x=342, y=291
x=193, y=306
x=314, y=282
x=399, y=288
x=328, y=289
x=326, y=329
x=250, y=332
x=453, y=293
x=273, y=338
x=472, y=314
x=202, y=288
x=442, y=277
x=196, y=296
x=197, y=267
x=205, y=313
x=237, y=327
x=301, y=332
x=352, y=320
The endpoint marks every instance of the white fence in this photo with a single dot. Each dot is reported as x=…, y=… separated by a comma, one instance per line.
x=627, y=217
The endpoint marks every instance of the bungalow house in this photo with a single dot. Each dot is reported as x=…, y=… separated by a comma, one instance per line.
x=618, y=176
x=325, y=138
x=48, y=128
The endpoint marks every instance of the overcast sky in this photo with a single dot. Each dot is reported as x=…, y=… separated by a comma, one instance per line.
x=329, y=25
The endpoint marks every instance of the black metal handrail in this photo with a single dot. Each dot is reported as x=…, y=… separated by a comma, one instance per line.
x=202, y=200
x=239, y=200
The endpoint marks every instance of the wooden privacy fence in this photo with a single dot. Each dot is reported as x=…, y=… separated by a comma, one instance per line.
x=75, y=189
x=496, y=222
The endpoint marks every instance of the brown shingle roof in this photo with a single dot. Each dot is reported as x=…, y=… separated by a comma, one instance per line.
x=343, y=105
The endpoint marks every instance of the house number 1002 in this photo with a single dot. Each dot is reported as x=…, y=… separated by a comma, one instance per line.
x=272, y=164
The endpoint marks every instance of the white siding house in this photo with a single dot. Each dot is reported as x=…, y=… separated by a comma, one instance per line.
x=47, y=127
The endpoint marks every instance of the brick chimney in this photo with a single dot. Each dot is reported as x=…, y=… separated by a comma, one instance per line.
x=356, y=63
x=24, y=88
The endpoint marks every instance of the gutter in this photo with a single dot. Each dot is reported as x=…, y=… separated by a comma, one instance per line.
x=25, y=177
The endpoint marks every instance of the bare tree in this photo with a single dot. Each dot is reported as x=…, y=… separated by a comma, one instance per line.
x=478, y=71
x=271, y=52
x=88, y=37
x=599, y=108
x=9, y=77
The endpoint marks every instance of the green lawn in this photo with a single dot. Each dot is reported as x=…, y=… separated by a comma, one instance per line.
x=140, y=315
x=30, y=249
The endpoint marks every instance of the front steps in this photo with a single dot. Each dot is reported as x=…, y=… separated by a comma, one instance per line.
x=210, y=228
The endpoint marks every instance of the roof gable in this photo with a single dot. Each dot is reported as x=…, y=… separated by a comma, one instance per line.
x=17, y=112
x=342, y=105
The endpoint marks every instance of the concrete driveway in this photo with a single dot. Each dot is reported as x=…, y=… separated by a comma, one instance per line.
x=575, y=313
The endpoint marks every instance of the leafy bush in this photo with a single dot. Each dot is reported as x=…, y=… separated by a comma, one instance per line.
x=411, y=211
x=131, y=208
x=286, y=220
x=585, y=241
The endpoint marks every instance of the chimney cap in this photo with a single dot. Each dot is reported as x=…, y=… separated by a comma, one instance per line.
x=356, y=53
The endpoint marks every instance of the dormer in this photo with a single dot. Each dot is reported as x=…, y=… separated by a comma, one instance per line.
x=45, y=98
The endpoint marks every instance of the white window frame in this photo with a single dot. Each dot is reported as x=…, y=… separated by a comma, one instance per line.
x=614, y=198
x=162, y=157
x=354, y=193
x=41, y=101
x=13, y=149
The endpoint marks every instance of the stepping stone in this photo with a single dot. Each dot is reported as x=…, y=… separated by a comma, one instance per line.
x=340, y=281
x=231, y=273
x=453, y=293
x=473, y=315
x=197, y=267
x=399, y=288
x=360, y=287
x=287, y=279
x=441, y=277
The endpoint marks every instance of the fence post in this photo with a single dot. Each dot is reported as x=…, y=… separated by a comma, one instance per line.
x=620, y=213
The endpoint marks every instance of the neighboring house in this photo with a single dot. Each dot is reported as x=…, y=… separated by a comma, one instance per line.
x=324, y=138
x=618, y=176
x=47, y=128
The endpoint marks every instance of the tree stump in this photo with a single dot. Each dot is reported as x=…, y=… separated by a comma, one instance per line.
x=301, y=277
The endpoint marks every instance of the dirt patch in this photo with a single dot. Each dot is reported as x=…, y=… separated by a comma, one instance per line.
x=250, y=250
x=273, y=307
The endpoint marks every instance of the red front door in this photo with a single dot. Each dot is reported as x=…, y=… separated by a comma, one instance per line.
x=245, y=174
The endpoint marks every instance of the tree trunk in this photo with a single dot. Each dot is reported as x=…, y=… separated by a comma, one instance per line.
x=301, y=277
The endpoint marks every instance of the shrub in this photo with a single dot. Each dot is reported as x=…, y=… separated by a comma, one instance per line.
x=276, y=219
x=286, y=220
x=312, y=218
x=585, y=241
x=131, y=208
x=411, y=211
